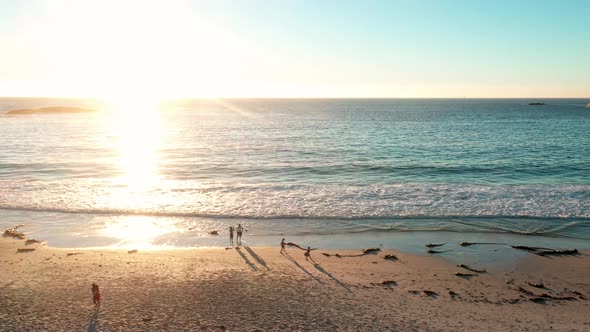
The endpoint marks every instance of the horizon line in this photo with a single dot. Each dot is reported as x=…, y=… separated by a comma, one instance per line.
x=278, y=98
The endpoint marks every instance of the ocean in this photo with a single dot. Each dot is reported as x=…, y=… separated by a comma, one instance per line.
x=296, y=168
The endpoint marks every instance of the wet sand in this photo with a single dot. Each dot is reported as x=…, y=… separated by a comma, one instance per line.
x=258, y=288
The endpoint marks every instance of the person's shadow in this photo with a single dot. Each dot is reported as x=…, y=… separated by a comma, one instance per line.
x=321, y=269
x=93, y=320
x=301, y=267
x=256, y=257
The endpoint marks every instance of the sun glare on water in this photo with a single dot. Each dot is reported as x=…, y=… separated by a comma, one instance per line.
x=133, y=54
x=136, y=130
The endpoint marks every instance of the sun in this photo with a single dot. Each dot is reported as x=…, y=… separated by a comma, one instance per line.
x=134, y=50
x=143, y=49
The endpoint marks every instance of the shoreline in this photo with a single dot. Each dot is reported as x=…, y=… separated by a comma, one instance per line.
x=490, y=248
x=257, y=288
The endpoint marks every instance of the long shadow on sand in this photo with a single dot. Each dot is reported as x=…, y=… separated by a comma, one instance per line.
x=256, y=257
x=92, y=324
x=250, y=264
x=301, y=267
x=321, y=269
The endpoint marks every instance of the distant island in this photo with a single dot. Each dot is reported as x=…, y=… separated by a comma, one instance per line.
x=50, y=110
x=536, y=104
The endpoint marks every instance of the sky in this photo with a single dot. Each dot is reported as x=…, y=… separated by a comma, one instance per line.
x=283, y=48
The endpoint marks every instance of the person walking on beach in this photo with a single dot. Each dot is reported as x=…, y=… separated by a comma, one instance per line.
x=308, y=254
x=283, y=246
x=231, y=235
x=95, y=295
x=239, y=230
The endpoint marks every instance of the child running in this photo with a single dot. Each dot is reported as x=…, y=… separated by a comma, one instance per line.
x=95, y=295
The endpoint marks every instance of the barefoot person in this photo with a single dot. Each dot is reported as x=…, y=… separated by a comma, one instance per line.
x=239, y=230
x=308, y=254
x=283, y=246
x=231, y=235
x=95, y=295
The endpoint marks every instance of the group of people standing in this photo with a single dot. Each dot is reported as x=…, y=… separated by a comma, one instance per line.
x=239, y=230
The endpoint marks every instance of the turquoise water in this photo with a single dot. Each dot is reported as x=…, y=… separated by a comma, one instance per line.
x=295, y=168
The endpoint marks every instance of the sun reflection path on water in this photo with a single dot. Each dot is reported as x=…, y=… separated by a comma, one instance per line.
x=137, y=128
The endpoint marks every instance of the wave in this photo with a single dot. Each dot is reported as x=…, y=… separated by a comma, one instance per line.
x=570, y=230
x=297, y=201
x=563, y=227
x=572, y=172
x=550, y=226
x=278, y=217
x=434, y=170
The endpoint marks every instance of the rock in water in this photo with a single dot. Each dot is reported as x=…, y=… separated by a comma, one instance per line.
x=49, y=110
x=432, y=245
x=431, y=251
x=464, y=275
x=12, y=232
x=558, y=252
x=467, y=267
x=370, y=250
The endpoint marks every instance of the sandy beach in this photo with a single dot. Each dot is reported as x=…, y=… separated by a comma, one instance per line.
x=435, y=156
x=260, y=289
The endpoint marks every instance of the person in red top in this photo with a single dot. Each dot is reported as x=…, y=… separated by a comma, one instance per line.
x=95, y=295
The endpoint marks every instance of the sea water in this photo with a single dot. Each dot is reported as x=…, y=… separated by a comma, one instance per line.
x=309, y=168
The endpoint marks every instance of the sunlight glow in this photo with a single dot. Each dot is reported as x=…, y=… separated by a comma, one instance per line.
x=292, y=49
x=137, y=125
x=106, y=49
x=138, y=232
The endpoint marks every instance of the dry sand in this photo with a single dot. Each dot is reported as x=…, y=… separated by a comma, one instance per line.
x=259, y=289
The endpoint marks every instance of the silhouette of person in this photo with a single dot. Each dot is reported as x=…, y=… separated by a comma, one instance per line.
x=308, y=253
x=231, y=235
x=283, y=249
x=95, y=295
x=239, y=230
